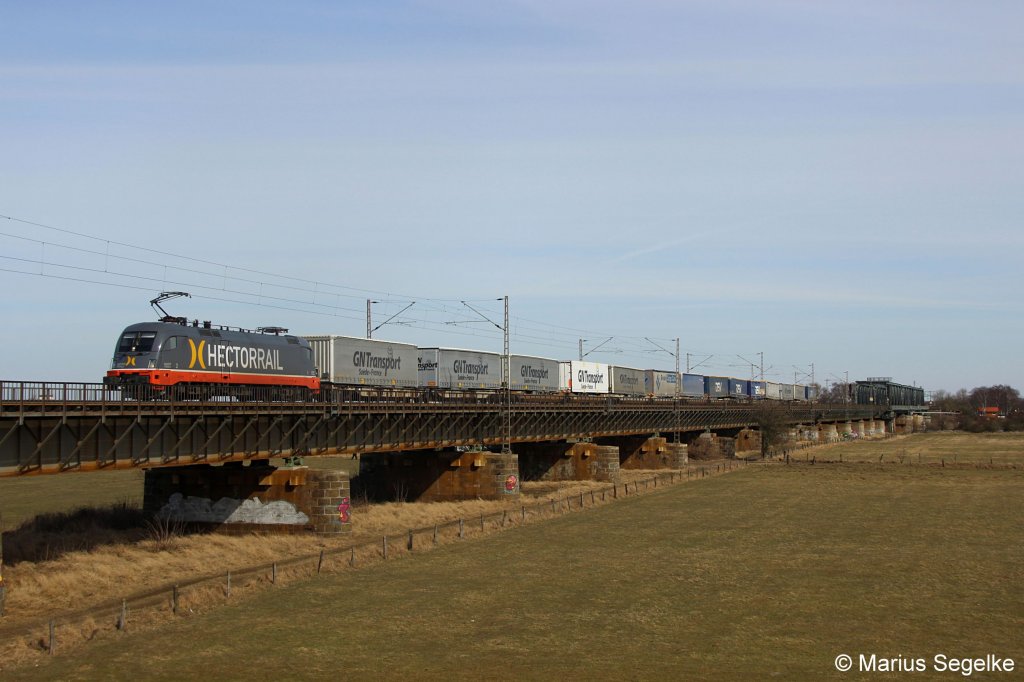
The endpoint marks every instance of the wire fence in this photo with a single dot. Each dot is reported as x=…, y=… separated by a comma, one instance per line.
x=908, y=459
x=182, y=595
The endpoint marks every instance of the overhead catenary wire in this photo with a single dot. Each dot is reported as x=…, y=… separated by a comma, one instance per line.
x=285, y=292
x=223, y=272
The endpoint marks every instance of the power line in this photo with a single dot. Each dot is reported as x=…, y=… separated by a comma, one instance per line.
x=224, y=273
x=282, y=294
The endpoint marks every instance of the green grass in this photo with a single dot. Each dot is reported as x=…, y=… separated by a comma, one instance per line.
x=23, y=498
x=930, y=448
x=26, y=497
x=768, y=572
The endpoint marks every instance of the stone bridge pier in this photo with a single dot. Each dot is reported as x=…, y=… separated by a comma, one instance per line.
x=710, y=445
x=807, y=433
x=257, y=497
x=438, y=475
x=564, y=461
x=828, y=433
x=749, y=440
x=647, y=452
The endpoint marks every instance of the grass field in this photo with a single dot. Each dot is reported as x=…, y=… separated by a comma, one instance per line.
x=23, y=498
x=768, y=572
x=930, y=448
x=72, y=564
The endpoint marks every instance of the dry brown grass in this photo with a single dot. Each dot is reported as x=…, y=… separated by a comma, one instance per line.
x=820, y=560
x=934, y=447
x=79, y=581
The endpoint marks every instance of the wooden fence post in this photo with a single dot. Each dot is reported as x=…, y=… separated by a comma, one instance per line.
x=273, y=573
x=352, y=557
x=435, y=533
x=320, y=562
x=174, y=600
x=384, y=544
x=53, y=642
x=524, y=514
x=481, y=523
x=462, y=529
x=3, y=588
x=122, y=620
x=410, y=540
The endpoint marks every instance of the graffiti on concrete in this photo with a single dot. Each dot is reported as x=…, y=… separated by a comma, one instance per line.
x=228, y=510
x=345, y=510
x=511, y=483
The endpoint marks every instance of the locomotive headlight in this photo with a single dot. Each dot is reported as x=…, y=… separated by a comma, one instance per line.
x=151, y=364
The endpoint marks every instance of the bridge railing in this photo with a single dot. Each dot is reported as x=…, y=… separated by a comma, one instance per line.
x=45, y=391
x=21, y=395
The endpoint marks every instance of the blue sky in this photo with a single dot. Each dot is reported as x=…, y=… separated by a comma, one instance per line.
x=836, y=183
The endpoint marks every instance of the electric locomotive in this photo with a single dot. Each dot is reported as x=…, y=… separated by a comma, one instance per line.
x=173, y=355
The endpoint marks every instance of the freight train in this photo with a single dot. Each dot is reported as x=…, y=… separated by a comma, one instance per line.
x=882, y=391
x=179, y=359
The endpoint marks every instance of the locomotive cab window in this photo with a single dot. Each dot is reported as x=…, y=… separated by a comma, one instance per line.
x=136, y=342
x=171, y=343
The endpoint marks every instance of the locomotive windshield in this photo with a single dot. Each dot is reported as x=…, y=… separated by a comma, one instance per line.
x=136, y=342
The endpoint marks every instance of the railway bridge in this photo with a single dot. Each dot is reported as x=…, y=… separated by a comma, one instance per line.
x=432, y=444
